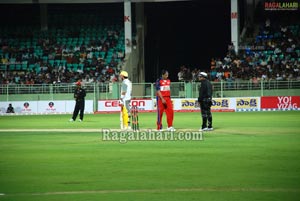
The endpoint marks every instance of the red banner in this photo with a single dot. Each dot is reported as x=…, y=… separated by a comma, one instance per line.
x=280, y=102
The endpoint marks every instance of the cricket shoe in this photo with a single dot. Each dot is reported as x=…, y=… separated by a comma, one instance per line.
x=80, y=120
x=71, y=120
x=171, y=129
x=207, y=129
x=126, y=129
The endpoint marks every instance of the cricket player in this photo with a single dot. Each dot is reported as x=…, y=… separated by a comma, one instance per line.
x=79, y=95
x=126, y=89
x=163, y=100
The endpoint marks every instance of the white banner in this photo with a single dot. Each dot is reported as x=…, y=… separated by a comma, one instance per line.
x=113, y=105
x=45, y=107
x=185, y=104
x=52, y=106
x=248, y=104
x=226, y=104
x=23, y=107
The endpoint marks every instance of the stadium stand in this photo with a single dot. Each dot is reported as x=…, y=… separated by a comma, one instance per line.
x=271, y=53
x=76, y=45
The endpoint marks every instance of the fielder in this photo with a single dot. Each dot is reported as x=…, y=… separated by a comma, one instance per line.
x=126, y=90
x=79, y=95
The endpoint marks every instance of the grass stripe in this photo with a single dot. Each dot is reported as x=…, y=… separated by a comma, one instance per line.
x=160, y=191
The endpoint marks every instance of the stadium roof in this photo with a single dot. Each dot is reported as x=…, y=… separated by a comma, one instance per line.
x=76, y=1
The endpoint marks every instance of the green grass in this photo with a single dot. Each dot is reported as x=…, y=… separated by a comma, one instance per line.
x=249, y=156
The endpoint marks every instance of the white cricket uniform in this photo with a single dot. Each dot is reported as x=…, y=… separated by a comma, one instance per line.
x=127, y=88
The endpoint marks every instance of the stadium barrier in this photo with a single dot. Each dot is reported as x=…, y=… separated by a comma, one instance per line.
x=44, y=107
x=218, y=104
x=111, y=91
x=238, y=104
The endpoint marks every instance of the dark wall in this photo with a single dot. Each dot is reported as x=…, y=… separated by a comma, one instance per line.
x=185, y=33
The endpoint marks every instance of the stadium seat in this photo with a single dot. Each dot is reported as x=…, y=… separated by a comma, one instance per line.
x=31, y=67
x=75, y=69
x=2, y=67
x=18, y=67
x=51, y=62
x=80, y=66
x=69, y=66
x=12, y=67
x=24, y=67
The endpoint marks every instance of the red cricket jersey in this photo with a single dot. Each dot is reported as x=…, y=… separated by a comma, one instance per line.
x=163, y=86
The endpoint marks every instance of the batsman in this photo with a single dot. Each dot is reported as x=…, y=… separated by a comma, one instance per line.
x=126, y=89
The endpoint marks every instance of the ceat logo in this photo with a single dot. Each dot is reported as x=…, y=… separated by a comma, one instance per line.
x=113, y=103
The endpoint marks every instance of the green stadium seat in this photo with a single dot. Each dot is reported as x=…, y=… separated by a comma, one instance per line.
x=31, y=67
x=24, y=67
x=51, y=62
x=89, y=61
x=102, y=54
x=12, y=60
x=63, y=62
x=12, y=67
x=45, y=58
x=75, y=67
x=69, y=66
x=96, y=54
x=2, y=67
x=80, y=66
x=57, y=62
x=18, y=66
x=25, y=62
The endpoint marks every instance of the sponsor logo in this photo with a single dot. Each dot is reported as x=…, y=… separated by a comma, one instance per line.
x=26, y=107
x=51, y=107
x=115, y=103
x=221, y=103
x=285, y=102
x=188, y=104
x=246, y=103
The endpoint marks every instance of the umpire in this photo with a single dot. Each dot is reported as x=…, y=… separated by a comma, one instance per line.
x=205, y=101
x=79, y=95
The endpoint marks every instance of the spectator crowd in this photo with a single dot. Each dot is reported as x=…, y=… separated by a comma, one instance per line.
x=274, y=54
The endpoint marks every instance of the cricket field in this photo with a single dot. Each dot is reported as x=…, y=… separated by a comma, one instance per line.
x=249, y=156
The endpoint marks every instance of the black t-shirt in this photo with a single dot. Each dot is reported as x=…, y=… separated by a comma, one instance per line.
x=79, y=94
